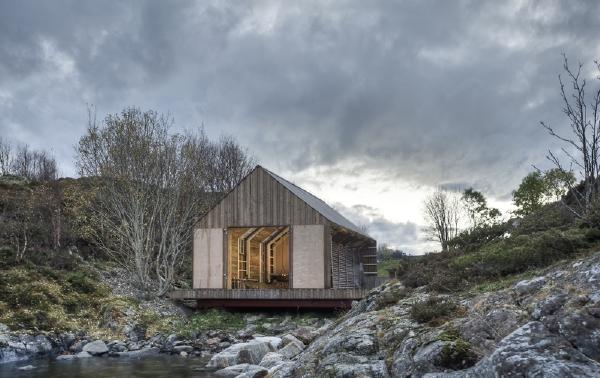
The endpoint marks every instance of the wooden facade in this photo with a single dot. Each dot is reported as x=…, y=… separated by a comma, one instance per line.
x=325, y=251
x=260, y=200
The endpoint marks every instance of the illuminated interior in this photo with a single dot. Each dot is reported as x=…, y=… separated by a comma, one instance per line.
x=258, y=257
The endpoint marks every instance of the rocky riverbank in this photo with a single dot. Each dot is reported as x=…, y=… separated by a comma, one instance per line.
x=546, y=323
x=275, y=330
x=545, y=326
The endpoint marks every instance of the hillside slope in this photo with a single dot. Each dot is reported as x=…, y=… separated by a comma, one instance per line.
x=546, y=326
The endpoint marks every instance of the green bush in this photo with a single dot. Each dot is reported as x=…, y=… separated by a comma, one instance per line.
x=553, y=215
x=457, y=355
x=472, y=240
x=520, y=253
x=592, y=235
x=7, y=257
x=433, y=309
x=419, y=276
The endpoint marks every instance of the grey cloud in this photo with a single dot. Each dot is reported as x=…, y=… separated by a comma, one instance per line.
x=432, y=92
x=403, y=235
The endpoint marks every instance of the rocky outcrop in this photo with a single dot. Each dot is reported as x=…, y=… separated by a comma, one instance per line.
x=15, y=347
x=533, y=351
x=545, y=326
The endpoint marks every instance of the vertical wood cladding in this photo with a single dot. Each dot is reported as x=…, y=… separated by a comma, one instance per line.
x=259, y=200
x=344, y=266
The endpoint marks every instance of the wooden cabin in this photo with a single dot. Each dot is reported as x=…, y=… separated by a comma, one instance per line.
x=269, y=242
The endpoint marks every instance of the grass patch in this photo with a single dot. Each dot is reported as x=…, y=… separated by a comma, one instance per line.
x=384, y=267
x=521, y=253
x=41, y=298
x=502, y=283
x=213, y=319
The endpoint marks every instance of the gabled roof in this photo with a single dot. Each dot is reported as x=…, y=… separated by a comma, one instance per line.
x=316, y=203
x=215, y=217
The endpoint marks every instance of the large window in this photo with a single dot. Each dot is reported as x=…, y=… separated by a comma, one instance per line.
x=258, y=257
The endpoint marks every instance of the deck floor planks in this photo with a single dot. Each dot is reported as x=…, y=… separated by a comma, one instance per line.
x=270, y=294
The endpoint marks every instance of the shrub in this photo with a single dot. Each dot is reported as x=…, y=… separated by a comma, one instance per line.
x=445, y=281
x=520, y=253
x=592, y=235
x=433, y=309
x=419, y=276
x=553, y=215
x=457, y=355
x=468, y=241
x=7, y=257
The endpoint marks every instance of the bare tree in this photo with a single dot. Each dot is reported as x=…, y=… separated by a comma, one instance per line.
x=582, y=145
x=34, y=165
x=442, y=213
x=5, y=157
x=151, y=195
x=228, y=163
x=22, y=164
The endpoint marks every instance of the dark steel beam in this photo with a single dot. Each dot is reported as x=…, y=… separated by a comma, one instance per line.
x=277, y=303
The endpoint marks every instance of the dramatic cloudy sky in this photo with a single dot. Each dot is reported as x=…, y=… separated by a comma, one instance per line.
x=369, y=105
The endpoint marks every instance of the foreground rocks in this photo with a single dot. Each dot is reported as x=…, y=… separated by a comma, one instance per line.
x=257, y=357
x=245, y=346
x=546, y=326
x=15, y=347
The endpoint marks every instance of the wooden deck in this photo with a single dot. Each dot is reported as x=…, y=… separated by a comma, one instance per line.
x=271, y=298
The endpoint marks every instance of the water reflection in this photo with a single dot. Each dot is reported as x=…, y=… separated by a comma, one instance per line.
x=159, y=366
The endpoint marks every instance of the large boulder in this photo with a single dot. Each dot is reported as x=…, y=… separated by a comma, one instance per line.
x=583, y=332
x=83, y=355
x=377, y=369
x=140, y=353
x=529, y=286
x=96, y=348
x=243, y=371
x=271, y=359
x=306, y=334
x=250, y=352
x=23, y=347
x=275, y=342
x=292, y=346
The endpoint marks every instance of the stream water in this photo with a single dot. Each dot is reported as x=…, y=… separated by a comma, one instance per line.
x=158, y=366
